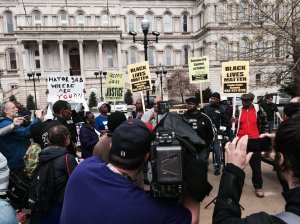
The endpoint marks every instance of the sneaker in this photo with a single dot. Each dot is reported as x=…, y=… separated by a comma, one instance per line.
x=259, y=193
x=217, y=172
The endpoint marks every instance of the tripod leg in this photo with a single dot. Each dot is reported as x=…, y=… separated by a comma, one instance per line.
x=212, y=201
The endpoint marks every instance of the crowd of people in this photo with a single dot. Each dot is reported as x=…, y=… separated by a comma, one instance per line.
x=103, y=177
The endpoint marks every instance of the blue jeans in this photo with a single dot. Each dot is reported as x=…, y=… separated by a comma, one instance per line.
x=270, y=126
x=216, y=152
x=7, y=213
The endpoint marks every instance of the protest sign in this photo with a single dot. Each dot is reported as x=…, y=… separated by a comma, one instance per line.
x=199, y=69
x=139, y=76
x=115, y=85
x=235, y=77
x=65, y=88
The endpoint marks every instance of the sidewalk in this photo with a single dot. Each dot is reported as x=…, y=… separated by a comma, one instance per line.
x=272, y=203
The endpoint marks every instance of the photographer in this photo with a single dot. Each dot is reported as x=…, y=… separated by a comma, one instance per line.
x=106, y=191
x=287, y=166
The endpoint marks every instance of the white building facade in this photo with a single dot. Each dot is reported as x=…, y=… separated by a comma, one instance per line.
x=55, y=37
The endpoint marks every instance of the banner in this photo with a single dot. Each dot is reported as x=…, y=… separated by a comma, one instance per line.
x=139, y=76
x=115, y=85
x=199, y=69
x=65, y=88
x=235, y=77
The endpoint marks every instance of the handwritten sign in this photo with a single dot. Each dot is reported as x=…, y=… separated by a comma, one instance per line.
x=139, y=76
x=235, y=77
x=65, y=88
x=115, y=85
x=199, y=69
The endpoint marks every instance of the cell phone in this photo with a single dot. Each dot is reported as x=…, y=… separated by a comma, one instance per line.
x=259, y=144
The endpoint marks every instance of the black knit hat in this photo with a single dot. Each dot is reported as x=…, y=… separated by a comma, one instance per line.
x=194, y=100
x=114, y=120
x=216, y=95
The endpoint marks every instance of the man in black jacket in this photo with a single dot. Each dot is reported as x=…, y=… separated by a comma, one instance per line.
x=287, y=167
x=219, y=118
x=199, y=121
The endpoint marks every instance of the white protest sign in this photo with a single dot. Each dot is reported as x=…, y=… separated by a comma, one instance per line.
x=65, y=88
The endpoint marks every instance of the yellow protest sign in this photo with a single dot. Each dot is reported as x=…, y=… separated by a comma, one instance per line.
x=235, y=77
x=199, y=69
x=139, y=76
x=115, y=84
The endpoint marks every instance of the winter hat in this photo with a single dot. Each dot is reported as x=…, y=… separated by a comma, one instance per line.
x=216, y=95
x=192, y=100
x=247, y=96
x=131, y=139
x=114, y=120
x=4, y=175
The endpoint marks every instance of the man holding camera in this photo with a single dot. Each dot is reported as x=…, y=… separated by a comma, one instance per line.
x=252, y=121
x=287, y=167
x=107, y=191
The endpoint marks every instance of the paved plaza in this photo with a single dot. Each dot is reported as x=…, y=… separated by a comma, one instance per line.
x=272, y=203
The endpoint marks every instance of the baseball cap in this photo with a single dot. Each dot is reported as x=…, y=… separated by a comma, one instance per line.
x=247, y=96
x=101, y=103
x=131, y=139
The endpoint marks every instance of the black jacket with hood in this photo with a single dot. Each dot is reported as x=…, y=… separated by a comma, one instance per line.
x=61, y=175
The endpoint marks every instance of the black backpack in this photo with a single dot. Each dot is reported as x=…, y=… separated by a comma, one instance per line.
x=42, y=188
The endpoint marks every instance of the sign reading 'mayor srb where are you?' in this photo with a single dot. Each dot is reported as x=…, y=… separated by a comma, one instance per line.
x=65, y=88
x=235, y=76
x=199, y=69
x=139, y=76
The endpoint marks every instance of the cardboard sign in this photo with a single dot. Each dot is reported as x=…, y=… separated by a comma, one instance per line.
x=199, y=69
x=235, y=77
x=139, y=76
x=115, y=85
x=65, y=88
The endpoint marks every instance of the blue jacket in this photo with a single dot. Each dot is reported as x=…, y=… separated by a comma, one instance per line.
x=88, y=140
x=15, y=144
x=95, y=194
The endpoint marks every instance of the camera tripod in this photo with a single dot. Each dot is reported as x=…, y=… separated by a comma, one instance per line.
x=223, y=139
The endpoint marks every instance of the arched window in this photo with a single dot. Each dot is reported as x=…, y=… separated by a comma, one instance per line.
x=243, y=12
x=258, y=48
x=9, y=22
x=184, y=23
x=131, y=22
x=168, y=56
x=110, y=57
x=223, y=49
x=80, y=19
x=133, y=55
x=63, y=19
x=150, y=18
x=37, y=18
x=151, y=56
x=186, y=55
x=167, y=20
x=104, y=19
x=244, y=48
x=11, y=59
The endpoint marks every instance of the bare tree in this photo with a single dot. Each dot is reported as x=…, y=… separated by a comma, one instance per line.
x=179, y=83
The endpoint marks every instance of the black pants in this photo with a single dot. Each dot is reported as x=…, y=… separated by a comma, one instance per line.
x=255, y=163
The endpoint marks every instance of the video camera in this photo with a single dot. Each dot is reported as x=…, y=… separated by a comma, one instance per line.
x=166, y=162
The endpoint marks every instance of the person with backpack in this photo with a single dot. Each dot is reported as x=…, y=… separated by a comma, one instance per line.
x=49, y=179
x=287, y=167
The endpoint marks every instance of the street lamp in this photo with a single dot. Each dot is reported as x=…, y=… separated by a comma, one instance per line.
x=100, y=73
x=160, y=71
x=32, y=75
x=145, y=24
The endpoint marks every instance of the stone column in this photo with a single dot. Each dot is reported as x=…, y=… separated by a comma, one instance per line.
x=61, y=56
x=100, y=55
x=41, y=52
x=20, y=58
x=81, y=56
x=119, y=56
